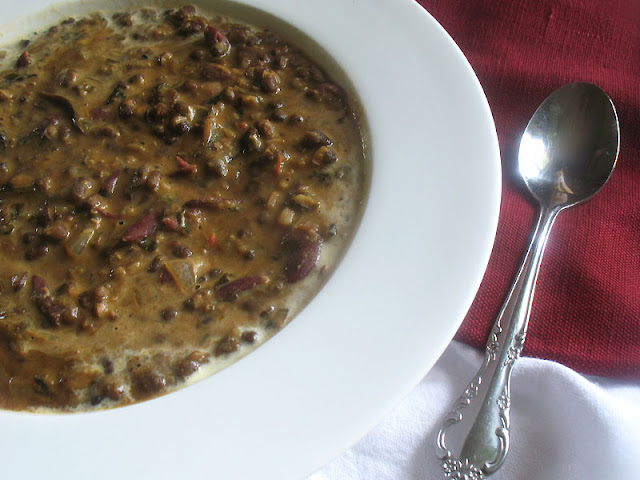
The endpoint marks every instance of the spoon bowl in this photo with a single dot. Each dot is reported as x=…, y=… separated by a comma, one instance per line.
x=570, y=146
x=567, y=153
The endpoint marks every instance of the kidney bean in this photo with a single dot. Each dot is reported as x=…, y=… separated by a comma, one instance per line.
x=216, y=41
x=230, y=291
x=142, y=228
x=302, y=253
x=109, y=185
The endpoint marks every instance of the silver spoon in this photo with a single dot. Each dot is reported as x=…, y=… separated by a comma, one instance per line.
x=567, y=153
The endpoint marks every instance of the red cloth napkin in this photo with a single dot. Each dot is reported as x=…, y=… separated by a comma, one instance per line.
x=586, y=311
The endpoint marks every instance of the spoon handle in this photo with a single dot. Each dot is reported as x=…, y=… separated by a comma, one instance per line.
x=474, y=438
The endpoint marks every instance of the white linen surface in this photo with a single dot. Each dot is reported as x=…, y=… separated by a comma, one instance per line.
x=564, y=426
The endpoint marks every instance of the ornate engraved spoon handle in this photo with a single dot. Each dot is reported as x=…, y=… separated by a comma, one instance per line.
x=474, y=438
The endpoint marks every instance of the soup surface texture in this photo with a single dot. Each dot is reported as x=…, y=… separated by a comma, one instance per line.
x=174, y=187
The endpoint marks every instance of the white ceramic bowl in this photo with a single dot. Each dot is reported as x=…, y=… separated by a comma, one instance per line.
x=381, y=321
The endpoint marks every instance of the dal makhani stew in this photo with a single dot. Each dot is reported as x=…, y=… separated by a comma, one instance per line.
x=174, y=187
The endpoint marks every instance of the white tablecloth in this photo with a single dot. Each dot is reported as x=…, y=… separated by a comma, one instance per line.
x=565, y=426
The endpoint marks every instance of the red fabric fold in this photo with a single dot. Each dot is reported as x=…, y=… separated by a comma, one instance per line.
x=586, y=311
